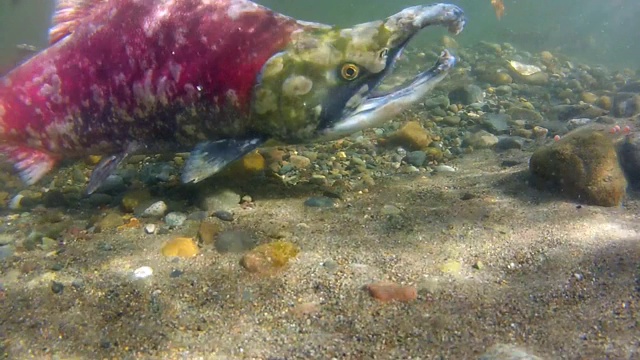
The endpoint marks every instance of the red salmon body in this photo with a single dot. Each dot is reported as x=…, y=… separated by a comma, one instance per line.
x=126, y=70
x=220, y=77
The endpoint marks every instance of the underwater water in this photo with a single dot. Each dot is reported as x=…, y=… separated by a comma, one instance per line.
x=599, y=32
x=497, y=217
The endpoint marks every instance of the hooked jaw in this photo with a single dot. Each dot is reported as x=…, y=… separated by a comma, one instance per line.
x=376, y=110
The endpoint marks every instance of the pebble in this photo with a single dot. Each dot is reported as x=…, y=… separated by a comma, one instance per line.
x=150, y=228
x=269, y=257
x=481, y=140
x=437, y=102
x=181, y=247
x=142, y=272
x=157, y=209
x=521, y=113
x=224, y=215
x=411, y=136
x=299, y=162
x=320, y=202
x=6, y=251
x=496, y=123
x=99, y=199
x=466, y=95
x=57, y=287
x=386, y=291
x=111, y=221
x=510, y=142
x=235, y=241
x=113, y=183
x=175, y=219
x=133, y=199
x=451, y=120
x=416, y=158
x=220, y=200
x=156, y=172
x=391, y=210
x=175, y=273
x=451, y=267
x=444, y=168
x=507, y=352
x=207, y=232
x=77, y=284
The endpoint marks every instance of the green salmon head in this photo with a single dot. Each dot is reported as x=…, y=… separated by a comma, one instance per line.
x=322, y=86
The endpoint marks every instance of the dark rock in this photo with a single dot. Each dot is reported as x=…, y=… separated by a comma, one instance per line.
x=223, y=215
x=175, y=273
x=506, y=142
x=416, y=158
x=437, y=102
x=57, y=287
x=54, y=198
x=468, y=94
x=629, y=152
x=626, y=105
x=235, y=241
x=496, y=123
x=319, y=201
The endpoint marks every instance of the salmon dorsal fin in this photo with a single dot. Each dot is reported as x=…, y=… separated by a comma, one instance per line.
x=67, y=16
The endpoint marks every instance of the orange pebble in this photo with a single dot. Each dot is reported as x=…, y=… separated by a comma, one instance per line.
x=388, y=291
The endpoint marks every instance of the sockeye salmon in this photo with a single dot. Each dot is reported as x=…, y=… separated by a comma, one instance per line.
x=217, y=77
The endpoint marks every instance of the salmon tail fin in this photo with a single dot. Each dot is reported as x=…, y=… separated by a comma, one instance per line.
x=68, y=15
x=31, y=164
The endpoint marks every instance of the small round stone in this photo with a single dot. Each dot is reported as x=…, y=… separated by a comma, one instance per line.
x=142, y=272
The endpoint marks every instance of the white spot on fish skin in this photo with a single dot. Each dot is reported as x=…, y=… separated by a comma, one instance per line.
x=162, y=90
x=296, y=85
x=236, y=9
x=120, y=79
x=46, y=90
x=98, y=95
x=57, y=99
x=232, y=98
x=175, y=70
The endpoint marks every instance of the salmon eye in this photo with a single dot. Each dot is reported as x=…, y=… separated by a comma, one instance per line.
x=349, y=71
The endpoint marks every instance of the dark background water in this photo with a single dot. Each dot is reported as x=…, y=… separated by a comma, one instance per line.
x=595, y=31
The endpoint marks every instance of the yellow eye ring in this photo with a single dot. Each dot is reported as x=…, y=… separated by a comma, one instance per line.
x=349, y=71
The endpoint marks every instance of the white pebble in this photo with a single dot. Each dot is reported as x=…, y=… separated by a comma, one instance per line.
x=445, y=168
x=157, y=209
x=150, y=228
x=142, y=272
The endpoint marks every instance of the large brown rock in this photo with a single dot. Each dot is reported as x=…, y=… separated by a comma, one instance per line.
x=584, y=164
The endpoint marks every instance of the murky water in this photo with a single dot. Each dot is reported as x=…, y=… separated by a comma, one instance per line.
x=440, y=233
x=595, y=31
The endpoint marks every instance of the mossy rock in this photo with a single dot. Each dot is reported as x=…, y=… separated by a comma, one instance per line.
x=583, y=164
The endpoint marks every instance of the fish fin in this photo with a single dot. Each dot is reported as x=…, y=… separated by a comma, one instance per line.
x=101, y=172
x=209, y=157
x=67, y=16
x=31, y=164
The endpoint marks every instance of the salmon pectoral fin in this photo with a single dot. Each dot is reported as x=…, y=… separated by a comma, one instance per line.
x=209, y=157
x=31, y=164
